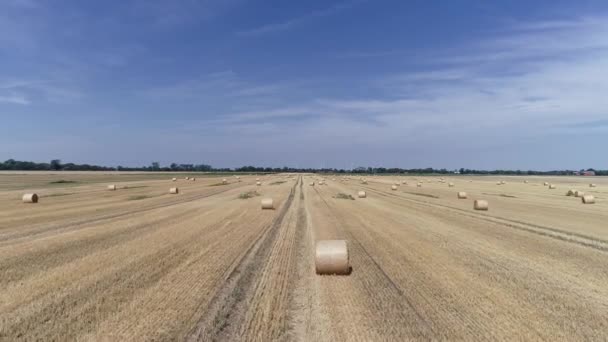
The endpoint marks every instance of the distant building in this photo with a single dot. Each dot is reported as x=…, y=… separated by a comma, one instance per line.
x=589, y=173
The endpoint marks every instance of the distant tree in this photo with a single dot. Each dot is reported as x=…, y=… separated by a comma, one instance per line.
x=155, y=166
x=55, y=164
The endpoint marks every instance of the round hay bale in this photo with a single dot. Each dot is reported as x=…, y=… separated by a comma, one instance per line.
x=526, y=181
x=552, y=186
x=267, y=203
x=570, y=192
x=30, y=198
x=361, y=194
x=187, y=178
x=393, y=187
x=174, y=191
x=462, y=195
x=364, y=182
x=312, y=183
x=578, y=193
x=174, y=179
x=592, y=185
x=480, y=205
x=258, y=183
x=451, y=185
x=498, y=183
x=588, y=199
x=193, y=179
x=545, y=183
x=257, y=179
x=321, y=183
x=331, y=257
x=112, y=187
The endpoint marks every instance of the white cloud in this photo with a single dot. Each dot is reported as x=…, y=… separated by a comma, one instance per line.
x=282, y=26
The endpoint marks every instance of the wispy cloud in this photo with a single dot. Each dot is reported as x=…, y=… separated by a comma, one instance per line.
x=293, y=22
x=529, y=83
x=14, y=98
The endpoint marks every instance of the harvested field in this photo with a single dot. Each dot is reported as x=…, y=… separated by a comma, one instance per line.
x=208, y=264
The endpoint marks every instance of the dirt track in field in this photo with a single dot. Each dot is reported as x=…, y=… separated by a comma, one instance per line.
x=141, y=264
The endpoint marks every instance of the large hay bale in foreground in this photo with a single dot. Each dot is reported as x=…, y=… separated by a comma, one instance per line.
x=30, y=198
x=174, y=191
x=361, y=194
x=267, y=203
x=480, y=205
x=112, y=187
x=331, y=257
x=588, y=199
x=578, y=193
x=462, y=195
x=393, y=187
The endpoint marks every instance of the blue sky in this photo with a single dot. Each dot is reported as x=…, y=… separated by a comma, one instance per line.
x=474, y=84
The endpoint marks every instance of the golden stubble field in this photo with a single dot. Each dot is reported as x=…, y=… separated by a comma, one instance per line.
x=139, y=263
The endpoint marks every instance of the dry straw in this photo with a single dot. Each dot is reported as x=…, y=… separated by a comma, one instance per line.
x=588, y=199
x=331, y=257
x=30, y=198
x=480, y=205
x=267, y=203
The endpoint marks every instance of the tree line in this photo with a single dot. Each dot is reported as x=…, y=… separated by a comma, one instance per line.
x=57, y=165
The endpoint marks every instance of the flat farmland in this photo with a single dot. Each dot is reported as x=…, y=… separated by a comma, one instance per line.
x=208, y=264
